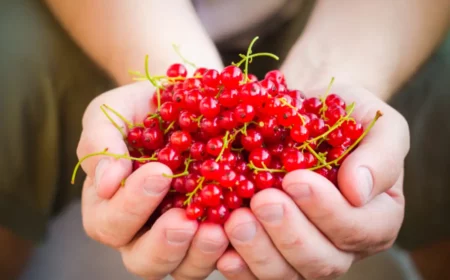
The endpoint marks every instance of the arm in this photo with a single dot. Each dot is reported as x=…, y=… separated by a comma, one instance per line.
x=377, y=45
x=118, y=34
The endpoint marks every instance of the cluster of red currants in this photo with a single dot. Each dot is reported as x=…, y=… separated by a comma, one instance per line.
x=227, y=135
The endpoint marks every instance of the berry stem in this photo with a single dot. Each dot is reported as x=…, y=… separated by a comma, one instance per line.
x=335, y=126
x=319, y=158
x=153, y=82
x=323, y=98
x=187, y=162
x=238, y=64
x=169, y=127
x=197, y=188
x=247, y=58
x=258, y=169
x=283, y=100
x=106, y=153
x=113, y=122
x=129, y=124
x=177, y=50
x=225, y=145
x=369, y=127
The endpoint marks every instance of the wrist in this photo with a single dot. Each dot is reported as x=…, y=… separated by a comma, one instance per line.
x=311, y=69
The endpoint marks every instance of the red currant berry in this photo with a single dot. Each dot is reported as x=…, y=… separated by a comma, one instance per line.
x=232, y=200
x=187, y=121
x=152, y=138
x=299, y=133
x=168, y=111
x=210, y=126
x=211, y=170
x=217, y=215
x=200, y=72
x=211, y=78
x=198, y=150
x=336, y=137
x=170, y=157
x=151, y=122
x=209, y=107
x=134, y=137
x=260, y=157
x=244, y=113
x=245, y=189
x=264, y=180
x=191, y=182
x=211, y=194
x=313, y=105
x=231, y=76
x=293, y=160
x=194, y=211
x=176, y=70
x=229, y=98
x=180, y=140
x=352, y=129
x=214, y=146
x=276, y=76
x=334, y=100
x=228, y=179
x=252, y=140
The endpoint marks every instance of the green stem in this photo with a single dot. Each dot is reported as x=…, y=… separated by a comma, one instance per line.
x=283, y=100
x=225, y=145
x=113, y=122
x=255, y=55
x=258, y=169
x=187, y=162
x=335, y=126
x=319, y=158
x=169, y=127
x=369, y=127
x=249, y=52
x=177, y=50
x=120, y=116
x=105, y=153
x=197, y=188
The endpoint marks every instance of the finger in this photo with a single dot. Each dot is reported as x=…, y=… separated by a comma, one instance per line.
x=209, y=243
x=253, y=244
x=372, y=227
x=115, y=222
x=232, y=266
x=160, y=250
x=99, y=133
x=297, y=239
x=375, y=165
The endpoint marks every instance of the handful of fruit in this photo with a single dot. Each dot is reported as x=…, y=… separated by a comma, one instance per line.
x=227, y=135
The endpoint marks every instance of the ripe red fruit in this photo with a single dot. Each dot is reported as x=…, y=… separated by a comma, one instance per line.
x=231, y=76
x=176, y=70
x=226, y=136
x=180, y=140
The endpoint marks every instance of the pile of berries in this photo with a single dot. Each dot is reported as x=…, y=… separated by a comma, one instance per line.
x=227, y=135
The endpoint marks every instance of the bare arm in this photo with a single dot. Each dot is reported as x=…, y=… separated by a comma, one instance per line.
x=118, y=34
x=375, y=44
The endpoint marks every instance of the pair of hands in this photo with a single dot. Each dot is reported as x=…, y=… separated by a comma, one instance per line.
x=313, y=231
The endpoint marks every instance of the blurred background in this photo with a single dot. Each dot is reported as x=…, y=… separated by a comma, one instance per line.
x=43, y=72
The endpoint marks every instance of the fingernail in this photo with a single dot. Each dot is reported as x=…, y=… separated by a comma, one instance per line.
x=155, y=185
x=365, y=183
x=270, y=213
x=178, y=236
x=244, y=232
x=299, y=191
x=102, y=165
x=209, y=246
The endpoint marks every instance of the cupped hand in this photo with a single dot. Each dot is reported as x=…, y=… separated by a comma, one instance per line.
x=116, y=216
x=314, y=230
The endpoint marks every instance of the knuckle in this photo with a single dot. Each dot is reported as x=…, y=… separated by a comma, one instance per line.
x=165, y=260
x=352, y=238
x=291, y=243
x=261, y=260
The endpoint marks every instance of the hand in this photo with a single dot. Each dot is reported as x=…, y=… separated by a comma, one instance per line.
x=316, y=231
x=116, y=216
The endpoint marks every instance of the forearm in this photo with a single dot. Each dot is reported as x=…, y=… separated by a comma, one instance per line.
x=118, y=34
x=376, y=44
